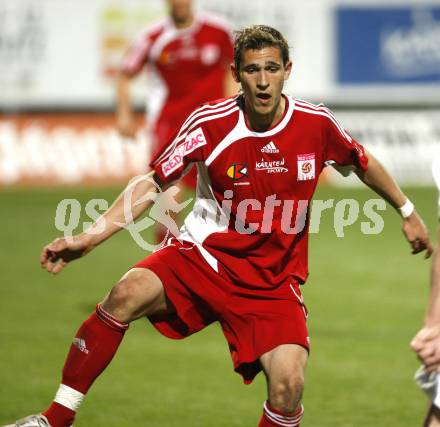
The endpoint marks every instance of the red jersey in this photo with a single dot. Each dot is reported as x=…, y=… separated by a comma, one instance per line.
x=186, y=67
x=250, y=219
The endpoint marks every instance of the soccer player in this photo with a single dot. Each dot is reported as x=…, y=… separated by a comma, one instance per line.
x=242, y=253
x=187, y=56
x=426, y=343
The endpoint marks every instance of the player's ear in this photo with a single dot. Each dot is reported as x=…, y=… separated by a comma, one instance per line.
x=235, y=73
x=287, y=70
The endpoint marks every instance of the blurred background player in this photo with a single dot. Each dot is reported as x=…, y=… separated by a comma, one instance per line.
x=426, y=343
x=188, y=55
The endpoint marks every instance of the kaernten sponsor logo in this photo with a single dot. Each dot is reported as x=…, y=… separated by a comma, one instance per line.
x=274, y=166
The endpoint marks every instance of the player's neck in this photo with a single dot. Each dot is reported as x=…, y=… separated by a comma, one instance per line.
x=263, y=122
x=181, y=24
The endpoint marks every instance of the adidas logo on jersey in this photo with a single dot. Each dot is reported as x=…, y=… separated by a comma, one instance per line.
x=270, y=148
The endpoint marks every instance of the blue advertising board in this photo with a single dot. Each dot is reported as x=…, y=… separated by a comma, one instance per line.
x=388, y=45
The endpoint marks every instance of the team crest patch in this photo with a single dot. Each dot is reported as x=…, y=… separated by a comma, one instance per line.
x=306, y=167
x=237, y=171
x=193, y=141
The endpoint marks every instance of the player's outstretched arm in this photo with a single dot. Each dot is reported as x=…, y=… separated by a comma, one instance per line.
x=129, y=205
x=426, y=342
x=379, y=180
x=125, y=120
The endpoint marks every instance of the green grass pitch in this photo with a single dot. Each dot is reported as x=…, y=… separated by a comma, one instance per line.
x=366, y=296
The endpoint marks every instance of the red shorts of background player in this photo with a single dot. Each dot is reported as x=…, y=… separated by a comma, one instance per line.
x=253, y=321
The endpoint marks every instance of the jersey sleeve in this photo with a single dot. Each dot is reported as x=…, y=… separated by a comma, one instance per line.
x=187, y=147
x=342, y=151
x=137, y=55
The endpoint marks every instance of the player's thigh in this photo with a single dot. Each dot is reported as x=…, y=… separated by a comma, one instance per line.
x=139, y=293
x=284, y=366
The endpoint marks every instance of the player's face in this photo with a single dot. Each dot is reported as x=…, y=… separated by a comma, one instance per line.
x=180, y=10
x=262, y=75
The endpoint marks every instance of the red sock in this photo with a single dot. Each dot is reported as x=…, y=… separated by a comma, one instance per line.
x=273, y=418
x=59, y=415
x=93, y=348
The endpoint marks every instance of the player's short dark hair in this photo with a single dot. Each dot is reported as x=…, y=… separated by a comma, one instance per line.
x=257, y=37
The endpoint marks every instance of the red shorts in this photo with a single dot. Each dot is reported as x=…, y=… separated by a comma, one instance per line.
x=253, y=321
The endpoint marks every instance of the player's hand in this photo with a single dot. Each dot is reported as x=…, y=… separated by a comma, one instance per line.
x=416, y=233
x=126, y=126
x=55, y=256
x=426, y=344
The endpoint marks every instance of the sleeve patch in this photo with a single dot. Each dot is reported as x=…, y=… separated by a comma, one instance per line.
x=192, y=141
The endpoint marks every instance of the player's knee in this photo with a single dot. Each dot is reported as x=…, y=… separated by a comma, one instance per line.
x=286, y=393
x=126, y=299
